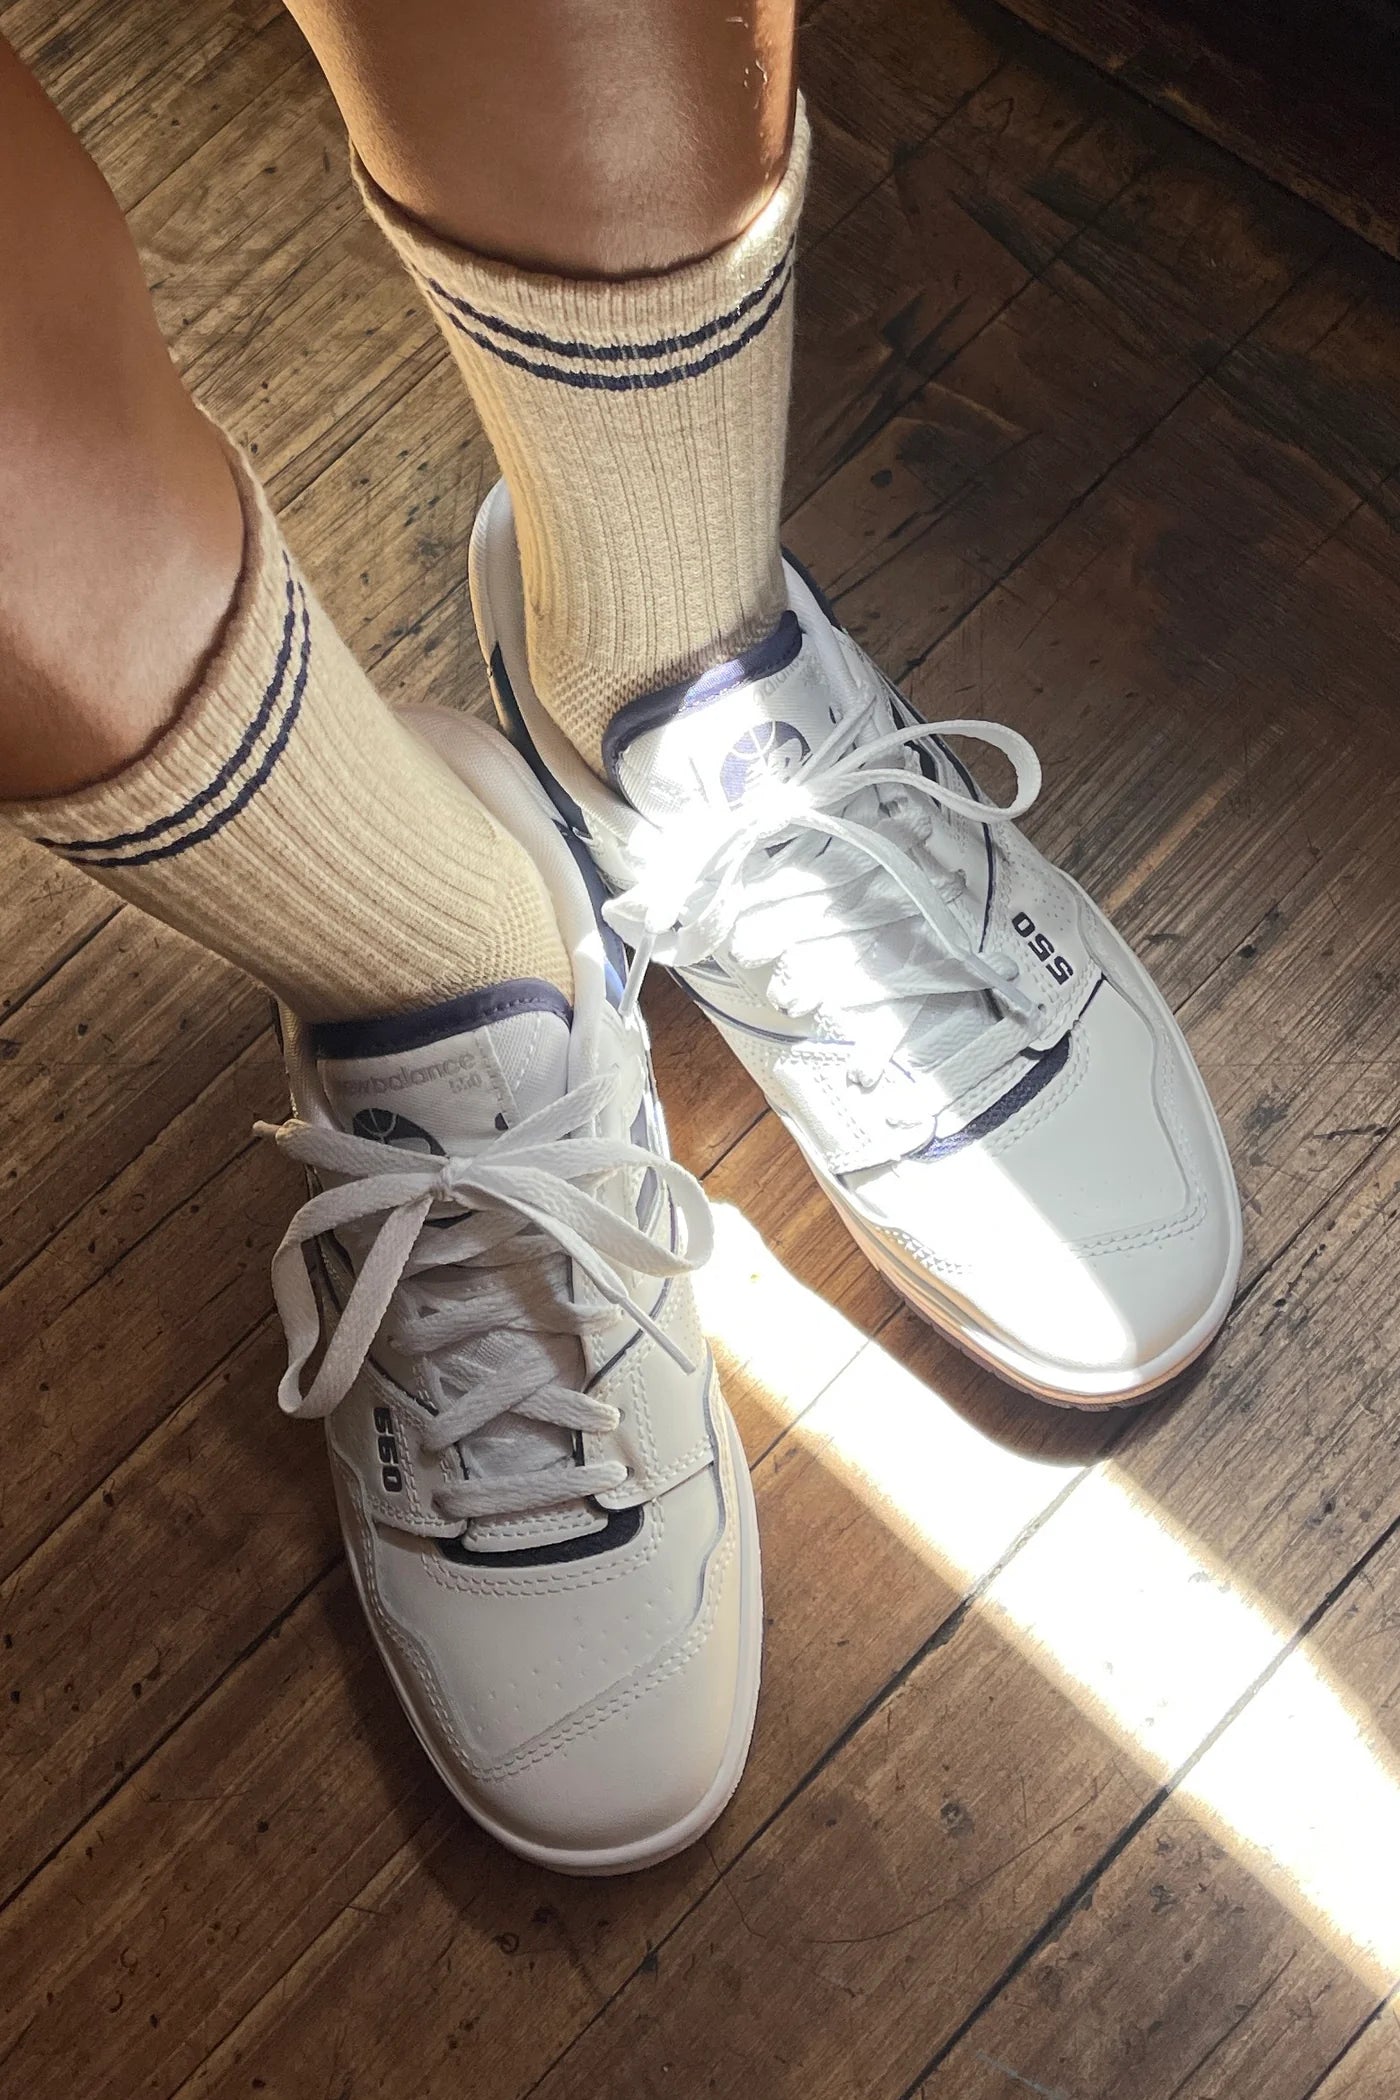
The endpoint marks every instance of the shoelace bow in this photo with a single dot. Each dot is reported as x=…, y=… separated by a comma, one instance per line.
x=761, y=872
x=525, y=1199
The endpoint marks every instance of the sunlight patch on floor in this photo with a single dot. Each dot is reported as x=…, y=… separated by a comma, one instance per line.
x=929, y=1470
x=1155, y=1641
x=762, y=1321
x=1312, y=1789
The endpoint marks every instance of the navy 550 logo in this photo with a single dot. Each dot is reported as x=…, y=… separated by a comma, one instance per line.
x=1041, y=946
x=388, y=1451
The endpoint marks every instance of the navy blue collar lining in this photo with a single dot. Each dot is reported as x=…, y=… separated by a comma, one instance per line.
x=394, y=1034
x=653, y=710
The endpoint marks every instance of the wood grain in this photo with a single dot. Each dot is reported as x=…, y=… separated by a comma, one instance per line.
x=1370, y=2069
x=50, y=911
x=1247, y=1926
x=183, y=1882
x=135, y=1606
x=101, y=1058
x=145, y=1332
x=1307, y=97
x=146, y=87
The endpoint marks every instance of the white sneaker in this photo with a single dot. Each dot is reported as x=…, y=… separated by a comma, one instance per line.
x=544, y=1499
x=980, y=1072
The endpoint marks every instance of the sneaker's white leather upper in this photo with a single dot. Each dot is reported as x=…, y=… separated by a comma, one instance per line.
x=541, y=1493
x=977, y=1067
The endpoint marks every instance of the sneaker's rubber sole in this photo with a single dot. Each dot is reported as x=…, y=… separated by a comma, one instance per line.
x=1100, y=1391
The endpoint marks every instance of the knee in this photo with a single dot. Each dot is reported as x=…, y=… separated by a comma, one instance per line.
x=119, y=555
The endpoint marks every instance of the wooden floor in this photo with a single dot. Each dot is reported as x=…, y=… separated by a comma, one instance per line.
x=1077, y=1771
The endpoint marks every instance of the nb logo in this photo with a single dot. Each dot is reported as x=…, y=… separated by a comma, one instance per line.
x=389, y=1471
x=771, y=751
x=1043, y=948
x=390, y=1128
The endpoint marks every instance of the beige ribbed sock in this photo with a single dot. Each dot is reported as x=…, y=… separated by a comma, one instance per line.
x=287, y=821
x=640, y=426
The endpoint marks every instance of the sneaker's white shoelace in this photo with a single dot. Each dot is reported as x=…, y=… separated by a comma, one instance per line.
x=810, y=875
x=489, y=1265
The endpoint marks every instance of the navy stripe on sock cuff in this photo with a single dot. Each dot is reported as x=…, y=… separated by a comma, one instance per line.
x=615, y=353
x=225, y=773
x=630, y=382
x=86, y=858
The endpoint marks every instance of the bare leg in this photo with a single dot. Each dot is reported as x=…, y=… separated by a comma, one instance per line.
x=177, y=715
x=592, y=138
x=120, y=527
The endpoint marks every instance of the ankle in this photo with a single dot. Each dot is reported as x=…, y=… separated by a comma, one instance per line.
x=640, y=426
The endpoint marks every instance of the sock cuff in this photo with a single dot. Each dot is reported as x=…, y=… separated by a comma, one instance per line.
x=225, y=741
x=613, y=335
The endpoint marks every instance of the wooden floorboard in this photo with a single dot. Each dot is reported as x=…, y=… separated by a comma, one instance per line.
x=1093, y=432
x=1244, y=1936
x=1303, y=93
x=1369, y=2068
x=50, y=912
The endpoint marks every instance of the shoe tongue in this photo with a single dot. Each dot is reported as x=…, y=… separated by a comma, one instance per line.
x=449, y=1080
x=735, y=727
x=445, y=1080
x=728, y=731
